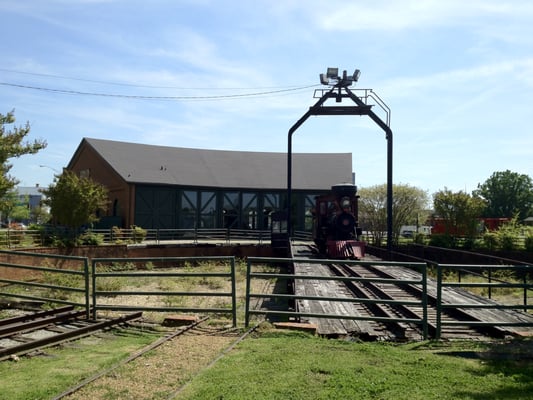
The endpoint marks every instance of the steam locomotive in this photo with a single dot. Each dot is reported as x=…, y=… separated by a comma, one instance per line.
x=336, y=230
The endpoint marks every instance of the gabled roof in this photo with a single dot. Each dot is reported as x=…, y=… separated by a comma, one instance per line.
x=29, y=191
x=149, y=164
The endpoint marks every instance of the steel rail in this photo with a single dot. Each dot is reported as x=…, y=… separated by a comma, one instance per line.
x=129, y=359
x=61, y=337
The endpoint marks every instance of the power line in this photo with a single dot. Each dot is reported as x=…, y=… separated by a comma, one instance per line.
x=137, y=85
x=143, y=97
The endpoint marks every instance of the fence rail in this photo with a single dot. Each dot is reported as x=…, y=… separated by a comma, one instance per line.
x=53, y=285
x=52, y=278
x=164, y=296
x=250, y=274
x=17, y=238
x=486, y=282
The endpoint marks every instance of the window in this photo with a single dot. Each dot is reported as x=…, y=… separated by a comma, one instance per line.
x=187, y=219
x=249, y=211
x=271, y=203
x=208, y=208
x=230, y=209
x=309, y=205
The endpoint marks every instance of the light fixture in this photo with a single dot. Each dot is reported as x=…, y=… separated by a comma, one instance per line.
x=331, y=77
x=333, y=73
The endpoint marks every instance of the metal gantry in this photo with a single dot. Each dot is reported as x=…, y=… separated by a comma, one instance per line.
x=340, y=90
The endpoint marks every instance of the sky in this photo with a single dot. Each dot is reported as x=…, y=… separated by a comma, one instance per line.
x=457, y=77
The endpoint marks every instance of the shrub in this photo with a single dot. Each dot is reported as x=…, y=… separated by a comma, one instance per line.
x=90, y=239
x=507, y=240
x=117, y=234
x=138, y=234
x=442, y=240
x=490, y=241
x=528, y=241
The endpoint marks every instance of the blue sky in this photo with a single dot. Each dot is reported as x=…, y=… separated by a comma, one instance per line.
x=457, y=76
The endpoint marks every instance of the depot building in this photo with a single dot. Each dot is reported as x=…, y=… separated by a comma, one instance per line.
x=161, y=187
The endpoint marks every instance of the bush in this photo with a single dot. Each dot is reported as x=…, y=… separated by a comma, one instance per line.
x=117, y=234
x=490, y=241
x=528, y=241
x=507, y=241
x=138, y=234
x=90, y=239
x=442, y=240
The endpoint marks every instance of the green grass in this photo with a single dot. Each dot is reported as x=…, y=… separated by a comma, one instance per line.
x=275, y=365
x=46, y=376
x=300, y=367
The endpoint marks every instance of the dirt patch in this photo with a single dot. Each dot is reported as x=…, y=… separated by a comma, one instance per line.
x=162, y=371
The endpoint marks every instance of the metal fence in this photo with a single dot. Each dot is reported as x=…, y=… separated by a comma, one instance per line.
x=42, y=279
x=488, y=281
x=125, y=270
x=18, y=238
x=68, y=280
x=250, y=274
x=226, y=236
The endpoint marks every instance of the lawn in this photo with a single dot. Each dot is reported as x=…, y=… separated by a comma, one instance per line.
x=295, y=366
x=275, y=364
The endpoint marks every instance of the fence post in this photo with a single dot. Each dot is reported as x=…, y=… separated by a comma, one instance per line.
x=87, y=288
x=94, y=287
x=234, y=292
x=439, y=300
x=425, y=300
x=247, y=297
x=490, y=281
x=525, y=291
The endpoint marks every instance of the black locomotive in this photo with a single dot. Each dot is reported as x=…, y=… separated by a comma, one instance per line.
x=336, y=230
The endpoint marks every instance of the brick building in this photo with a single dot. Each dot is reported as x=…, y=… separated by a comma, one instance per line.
x=160, y=187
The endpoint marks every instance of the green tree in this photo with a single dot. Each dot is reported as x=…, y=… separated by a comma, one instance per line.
x=408, y=203
x=40, y=215
x=75, y=201
x=20, y=213
x=12, y=144
x=507, y=194
x=460, y=211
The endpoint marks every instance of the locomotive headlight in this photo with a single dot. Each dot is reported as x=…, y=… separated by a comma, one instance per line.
x=345, y=203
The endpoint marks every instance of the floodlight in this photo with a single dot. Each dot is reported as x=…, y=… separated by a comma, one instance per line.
x=356, y=75
x=324, y=80
x=333, y=73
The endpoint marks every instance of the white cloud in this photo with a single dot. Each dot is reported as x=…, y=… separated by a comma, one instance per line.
x=387, y=15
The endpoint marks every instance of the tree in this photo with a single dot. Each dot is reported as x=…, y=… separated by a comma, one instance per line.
x=507, y=194
x=460, y=212
x=8, y=203
x=408, y=203
x=12, y=144
x=75, y=201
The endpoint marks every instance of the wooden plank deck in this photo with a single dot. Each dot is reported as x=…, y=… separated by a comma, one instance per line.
x=313, y=287
x=457, y=295
x=344, y=327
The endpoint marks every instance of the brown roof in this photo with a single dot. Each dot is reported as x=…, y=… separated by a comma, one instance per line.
x=149, y=164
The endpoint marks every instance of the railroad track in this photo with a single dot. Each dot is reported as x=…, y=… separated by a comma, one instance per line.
x=199, y=329
x=410, y=296
x=376, y=303
x=31, y=332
